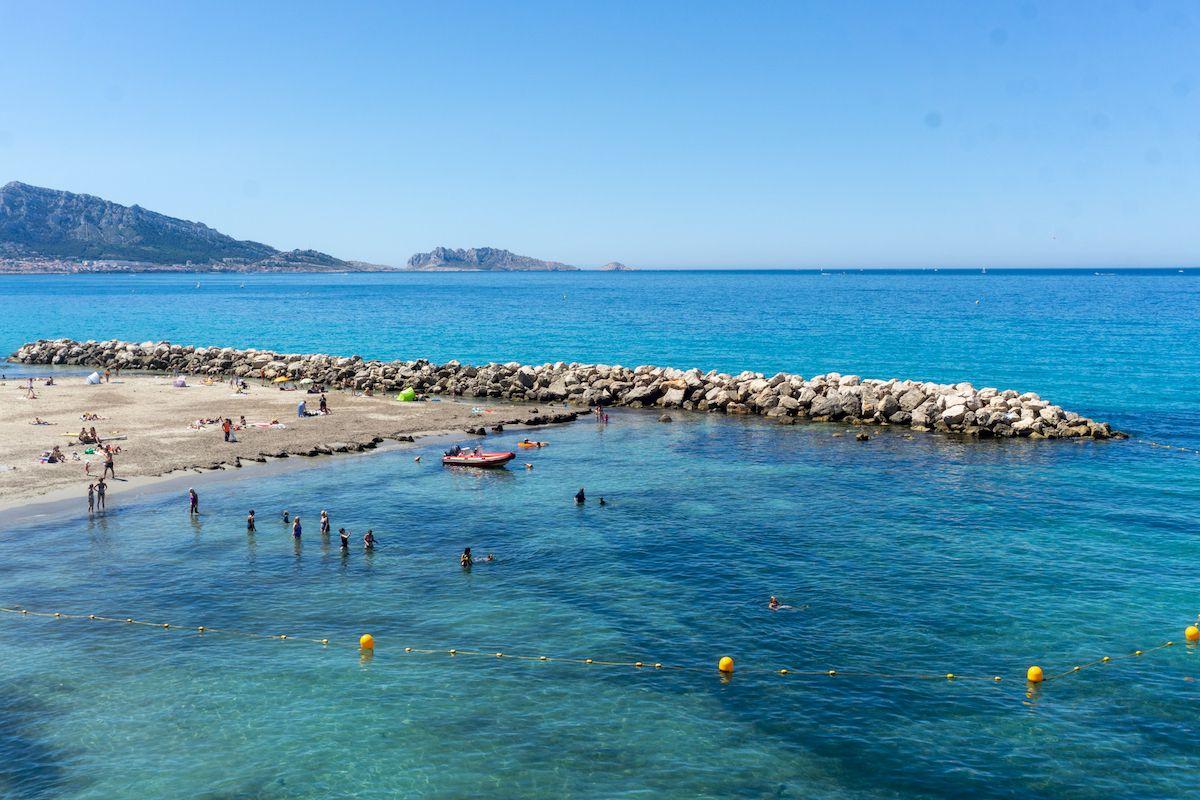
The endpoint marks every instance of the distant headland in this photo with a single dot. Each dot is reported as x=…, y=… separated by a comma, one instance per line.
x=481, y=259
x=46, y=230
x=52, y=231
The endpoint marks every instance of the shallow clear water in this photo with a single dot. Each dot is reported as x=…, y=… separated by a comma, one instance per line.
x=922, y=555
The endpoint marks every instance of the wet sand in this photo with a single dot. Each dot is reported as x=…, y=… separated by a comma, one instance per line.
x=154, y=417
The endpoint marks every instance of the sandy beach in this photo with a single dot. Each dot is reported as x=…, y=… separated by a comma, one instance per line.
x=156, y=427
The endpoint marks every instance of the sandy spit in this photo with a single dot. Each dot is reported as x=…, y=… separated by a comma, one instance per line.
x=154, y=419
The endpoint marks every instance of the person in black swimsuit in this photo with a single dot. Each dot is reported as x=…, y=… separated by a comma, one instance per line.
x=250, y=522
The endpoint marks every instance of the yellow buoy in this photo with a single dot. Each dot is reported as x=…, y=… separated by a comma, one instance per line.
x=324, y=641
x=587, y=661
x=499, y=655
x=1192, y=634
x=725, y=665
x=366, y=642
x=1034, y=675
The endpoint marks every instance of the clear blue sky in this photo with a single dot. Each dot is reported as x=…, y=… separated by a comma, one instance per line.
x=657, y=134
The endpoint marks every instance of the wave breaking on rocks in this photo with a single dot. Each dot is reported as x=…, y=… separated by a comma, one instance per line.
x=957, y=408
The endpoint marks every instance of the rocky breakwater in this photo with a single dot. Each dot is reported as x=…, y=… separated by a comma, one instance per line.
x=922, y=406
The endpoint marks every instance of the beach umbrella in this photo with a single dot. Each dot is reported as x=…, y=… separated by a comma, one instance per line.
x=282, y=379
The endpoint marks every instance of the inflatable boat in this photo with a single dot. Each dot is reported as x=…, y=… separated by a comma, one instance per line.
x=483, y=460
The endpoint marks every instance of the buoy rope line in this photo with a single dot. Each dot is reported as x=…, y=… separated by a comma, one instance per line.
x=1163, y=446
x=366, y=643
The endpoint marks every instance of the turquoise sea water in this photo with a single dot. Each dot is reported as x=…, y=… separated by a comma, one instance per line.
x=903, y=556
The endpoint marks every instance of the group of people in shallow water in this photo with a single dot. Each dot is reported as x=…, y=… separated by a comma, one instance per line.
x=466, y=560
x=369, y=539
x=581, y=498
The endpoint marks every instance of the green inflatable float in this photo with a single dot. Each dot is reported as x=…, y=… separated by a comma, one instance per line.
x=407, y=395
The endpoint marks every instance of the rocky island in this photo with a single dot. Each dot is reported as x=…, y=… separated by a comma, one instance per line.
x=958, y=408
x=46, y=230
x=481, y=259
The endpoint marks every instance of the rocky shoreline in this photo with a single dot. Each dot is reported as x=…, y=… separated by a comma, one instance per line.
x=921, y=406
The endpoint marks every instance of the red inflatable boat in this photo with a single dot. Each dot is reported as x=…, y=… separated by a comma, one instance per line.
x=468, y=458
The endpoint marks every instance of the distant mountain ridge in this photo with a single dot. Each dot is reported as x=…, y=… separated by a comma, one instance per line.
x=55, y=229
x=485, y=259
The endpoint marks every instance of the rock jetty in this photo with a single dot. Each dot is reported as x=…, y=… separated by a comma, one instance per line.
x=957, y=408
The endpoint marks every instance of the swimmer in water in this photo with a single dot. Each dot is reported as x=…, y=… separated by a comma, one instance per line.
x=369, y=540
x=580, y=497
x=602, y=502
x=345, y=539
x=286, y=517
x=250, y=522
x=491, y=557
x=773, y=603
x=324, y=523
x=465, y=560
x=296, y=528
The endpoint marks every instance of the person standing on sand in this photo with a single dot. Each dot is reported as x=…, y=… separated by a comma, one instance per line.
x=193, y=502
x=109, y=465
x=101, y=490
x=226, y=427
x=106, y=374
x=324, y=407
x=91, y=497
x=250, y=522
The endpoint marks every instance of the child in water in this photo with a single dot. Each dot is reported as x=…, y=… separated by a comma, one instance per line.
x=250, y=522
x=286, y=517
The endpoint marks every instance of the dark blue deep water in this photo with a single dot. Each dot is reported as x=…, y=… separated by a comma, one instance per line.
x=903, y=558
